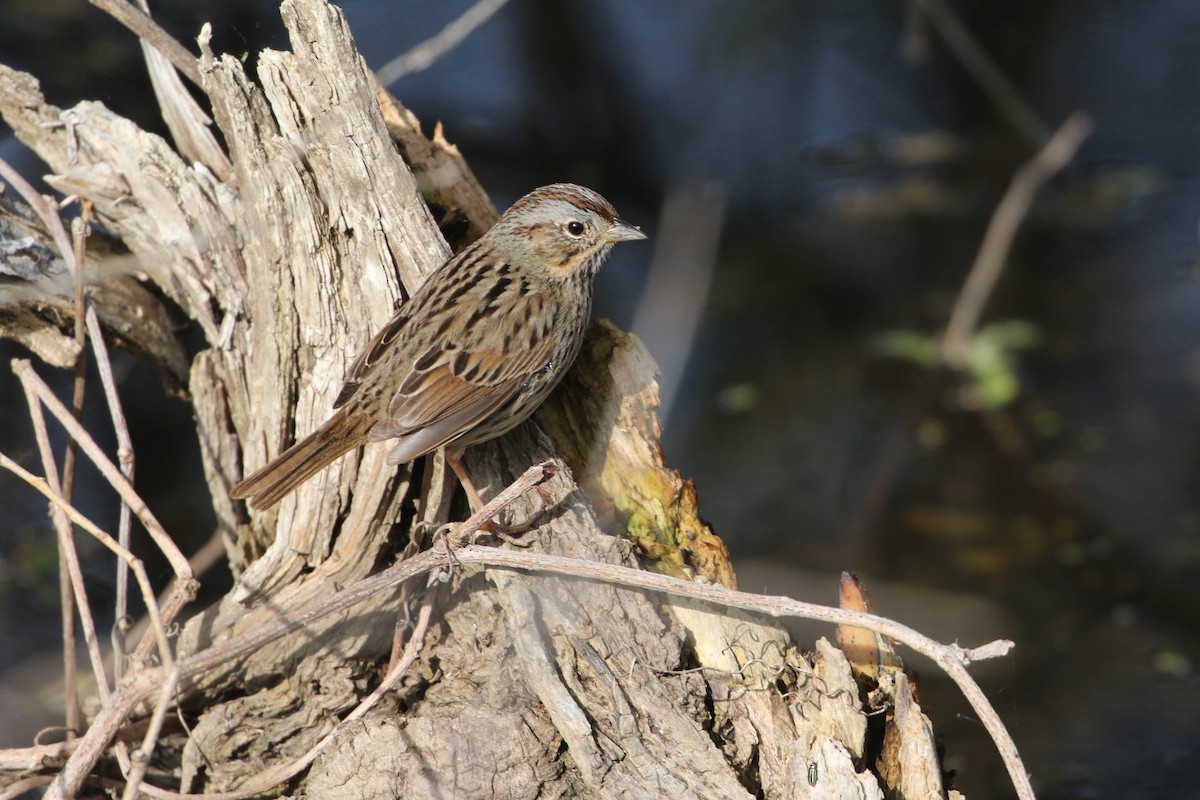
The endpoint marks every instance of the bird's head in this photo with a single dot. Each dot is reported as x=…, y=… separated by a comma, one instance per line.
x=569, y=229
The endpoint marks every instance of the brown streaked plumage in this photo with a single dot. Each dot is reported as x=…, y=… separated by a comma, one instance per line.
x=475, y=350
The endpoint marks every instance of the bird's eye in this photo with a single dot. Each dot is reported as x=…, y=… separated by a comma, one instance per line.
x=575, y=228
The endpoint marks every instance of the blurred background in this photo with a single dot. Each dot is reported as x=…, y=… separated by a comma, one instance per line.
x=817, y=178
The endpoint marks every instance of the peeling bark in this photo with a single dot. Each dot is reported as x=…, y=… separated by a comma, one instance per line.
x=528, y=686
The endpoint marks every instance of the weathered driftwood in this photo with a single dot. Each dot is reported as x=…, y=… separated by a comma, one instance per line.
x=527, y=686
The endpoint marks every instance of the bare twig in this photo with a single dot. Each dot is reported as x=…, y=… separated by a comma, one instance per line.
x=147, y=589
x=67, y=480
x=70, y=573
x=68, y=557
x=984, y=70
x=87, y=322
x=134, y=563
x=23, y=786
x=997, y=242
x=151, y=32
x=78, y=237
x=141, y=757
x=531, y=477
x=31, y=759
x=179, y=564
x=125, y=458
x=140, y=685
x=429, y=51
x=951, y=658
x=44, y=211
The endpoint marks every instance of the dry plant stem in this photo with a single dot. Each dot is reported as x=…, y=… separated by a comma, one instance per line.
x=437, y=492
x=134, y=563
x=67, y=489
x=72, y=572
x=141, y=757
x=984, y=70
x=1002, y=229
x=179, y=564
x=147, y=594
x=429, y=51
x=44, y=211
x=34, y=757
x=86, y=324
x=142, y=684
x=125, y=458
x=78, y=231
x=211, y=553
x=951, y=658
x=67, y=571
x=531, y=477
x=149, y=31
x=68, y=560
x=183, y=590
x=19, y=788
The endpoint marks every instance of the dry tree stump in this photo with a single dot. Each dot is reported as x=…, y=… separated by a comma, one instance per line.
x=288, y=247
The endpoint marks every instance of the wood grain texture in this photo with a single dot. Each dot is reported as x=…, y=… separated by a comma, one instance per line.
x=529, y=686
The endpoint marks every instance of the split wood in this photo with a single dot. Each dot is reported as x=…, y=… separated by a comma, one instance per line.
x=140, y=686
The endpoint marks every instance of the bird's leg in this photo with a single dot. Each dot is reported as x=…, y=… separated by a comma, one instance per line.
x=494, y=527
x=454, y=459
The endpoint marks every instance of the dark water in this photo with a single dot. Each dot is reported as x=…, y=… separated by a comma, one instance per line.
x=848, y=186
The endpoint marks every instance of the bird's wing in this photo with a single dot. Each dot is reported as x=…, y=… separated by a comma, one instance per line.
x=370, y=355
x=459, y=383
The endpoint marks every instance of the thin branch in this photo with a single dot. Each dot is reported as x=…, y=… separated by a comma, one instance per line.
x=34, y=758
x=76, y=598
x=135, y=563
x=141, y=757
x=983, y=69
x=44, y=211
x=464, y=531
x=179, y=564
x=140, y=23
x=25, y=785
x=78, y=236
x=68, y=573
x=434, y=498
x=997, y=242
x=72, y=252
x=951, y=658
x=140, y=685
x=429, y=51
x=125, y=458
x=67, y=488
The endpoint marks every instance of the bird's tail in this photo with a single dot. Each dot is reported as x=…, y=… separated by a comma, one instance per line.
x=279, y=478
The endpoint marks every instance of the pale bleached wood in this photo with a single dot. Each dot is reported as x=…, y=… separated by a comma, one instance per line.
x=529, y=686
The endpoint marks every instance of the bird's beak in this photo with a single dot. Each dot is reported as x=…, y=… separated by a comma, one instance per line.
x=622, y=231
